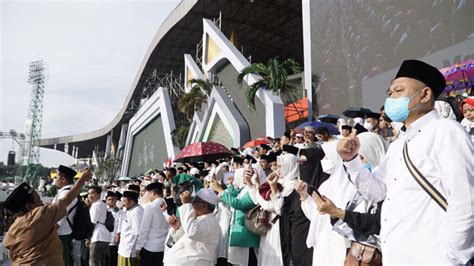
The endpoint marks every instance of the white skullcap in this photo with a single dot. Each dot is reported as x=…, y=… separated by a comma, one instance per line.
x=194, y=171
x=310, y=129
x=358, y=120
x=207, y=195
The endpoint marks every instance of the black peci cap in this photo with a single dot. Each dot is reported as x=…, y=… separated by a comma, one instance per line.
x=111, y=194
x=156, y=185
x=131, y=195
x=67, y=172
x=250, y=159
x=15, y=202
x=423, y=72
x=134, y=188
x=372, y=115
x=290, y=149
x=238, y=159
x=360, y=129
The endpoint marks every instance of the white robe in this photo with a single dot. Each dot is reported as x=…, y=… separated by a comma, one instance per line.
x=329, y=246
x=410, y=220
x=196, y=241
x=270, y=246
x=223, y=215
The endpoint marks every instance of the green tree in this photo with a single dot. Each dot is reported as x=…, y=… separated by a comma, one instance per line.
x=274, y=78
x=179, y=135
x=107, y=168
x=193, y=100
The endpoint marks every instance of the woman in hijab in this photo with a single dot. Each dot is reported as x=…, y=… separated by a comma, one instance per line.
x=270, y=196
x=329, y=246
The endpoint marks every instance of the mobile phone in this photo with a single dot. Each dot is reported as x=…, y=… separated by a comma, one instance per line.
x=312, y=189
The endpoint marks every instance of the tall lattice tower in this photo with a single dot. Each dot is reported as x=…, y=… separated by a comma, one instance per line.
x=34, y=121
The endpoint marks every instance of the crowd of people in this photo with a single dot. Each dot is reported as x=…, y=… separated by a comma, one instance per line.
x=395, y=187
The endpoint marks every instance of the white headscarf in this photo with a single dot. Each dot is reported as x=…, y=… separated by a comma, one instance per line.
x=373, y=147
x=338, y=188
x=290, y=172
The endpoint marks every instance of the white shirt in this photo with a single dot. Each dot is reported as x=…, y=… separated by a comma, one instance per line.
x=153, y=228
x=468, y=125
x=118, y=217
x=196, y=241
x=129, y=232
x=98, y=212
x=415, y=230
x=64, y=228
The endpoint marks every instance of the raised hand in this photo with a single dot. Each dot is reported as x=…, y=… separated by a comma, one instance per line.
x=248, y=177
x=272, y=178
x=87, y=174
x=302, y=188
x=174, y=222
x=348, y=148
x=216, y=186
x=185, y=197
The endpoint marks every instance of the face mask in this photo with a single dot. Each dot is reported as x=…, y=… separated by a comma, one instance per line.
x=368, y=125
x=397, y=109
x=367, y=166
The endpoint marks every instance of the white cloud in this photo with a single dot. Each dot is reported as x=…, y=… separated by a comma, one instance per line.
x=93, y=50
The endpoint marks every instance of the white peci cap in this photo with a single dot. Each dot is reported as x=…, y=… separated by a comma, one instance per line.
x=208, y=195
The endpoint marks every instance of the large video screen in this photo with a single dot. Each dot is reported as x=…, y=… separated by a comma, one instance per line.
x=357, y=46
x=148, y=148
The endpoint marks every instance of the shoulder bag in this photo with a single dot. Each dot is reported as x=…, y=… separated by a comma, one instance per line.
x=423, y=182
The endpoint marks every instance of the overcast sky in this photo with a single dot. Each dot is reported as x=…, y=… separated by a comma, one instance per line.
x=93, y=50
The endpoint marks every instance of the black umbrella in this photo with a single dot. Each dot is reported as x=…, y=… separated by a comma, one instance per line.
x=329, y=118
x=356, y=112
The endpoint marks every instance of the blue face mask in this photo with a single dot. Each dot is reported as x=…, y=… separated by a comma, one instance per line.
x=367, y=166
x=397, y=108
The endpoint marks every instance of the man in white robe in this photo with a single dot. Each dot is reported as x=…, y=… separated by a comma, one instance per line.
x=196, y=233
x=414, y=228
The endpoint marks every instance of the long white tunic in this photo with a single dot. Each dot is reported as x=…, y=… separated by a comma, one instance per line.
x=129, y=232
x=153, y=228
x=415, y=230
x=269, y=251
x=223, y=215
x=196, y=240
x=329, y=246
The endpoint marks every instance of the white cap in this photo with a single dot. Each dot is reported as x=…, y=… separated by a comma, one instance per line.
x=299, y=135
x=310, y=129
x=207, y=195
x=194, y=171
x=358, y=120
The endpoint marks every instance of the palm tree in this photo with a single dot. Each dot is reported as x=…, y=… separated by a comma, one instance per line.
x=179, y=135
x=194, y=99
x=274, y=78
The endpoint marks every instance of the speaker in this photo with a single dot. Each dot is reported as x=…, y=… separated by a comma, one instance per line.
x=11, y=158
